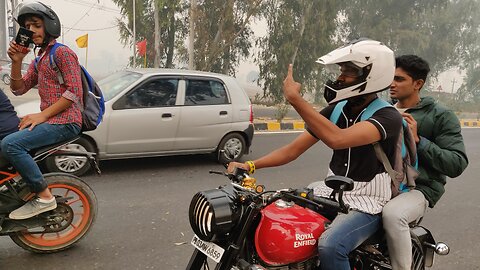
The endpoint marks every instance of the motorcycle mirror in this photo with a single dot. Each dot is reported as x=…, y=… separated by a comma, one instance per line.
x=337, y=182
x=442, y=248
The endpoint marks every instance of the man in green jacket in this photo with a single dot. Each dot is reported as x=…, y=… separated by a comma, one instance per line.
x=440, y=149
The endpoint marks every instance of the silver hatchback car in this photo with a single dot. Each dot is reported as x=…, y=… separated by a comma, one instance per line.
x=160, y=112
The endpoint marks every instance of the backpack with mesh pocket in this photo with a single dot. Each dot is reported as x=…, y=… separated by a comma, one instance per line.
x=404, y=172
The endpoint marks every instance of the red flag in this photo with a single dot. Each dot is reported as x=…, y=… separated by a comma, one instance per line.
x=142, y=47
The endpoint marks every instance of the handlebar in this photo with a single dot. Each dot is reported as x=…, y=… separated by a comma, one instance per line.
x=322, y=202
x=304, y=195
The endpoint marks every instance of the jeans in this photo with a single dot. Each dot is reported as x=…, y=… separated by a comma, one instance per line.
x=16, y=147
x=397, y=214
x=346, y=233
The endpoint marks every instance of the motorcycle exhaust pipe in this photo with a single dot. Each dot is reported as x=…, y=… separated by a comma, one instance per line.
x=440, y=248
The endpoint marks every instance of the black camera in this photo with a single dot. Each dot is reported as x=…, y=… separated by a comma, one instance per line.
x=24, y=38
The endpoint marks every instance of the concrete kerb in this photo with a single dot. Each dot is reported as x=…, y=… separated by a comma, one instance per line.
x=298, y=125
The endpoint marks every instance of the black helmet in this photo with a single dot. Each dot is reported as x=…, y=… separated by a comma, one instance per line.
x=50, y=18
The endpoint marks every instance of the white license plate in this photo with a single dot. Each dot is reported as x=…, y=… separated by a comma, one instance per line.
x=212, y=250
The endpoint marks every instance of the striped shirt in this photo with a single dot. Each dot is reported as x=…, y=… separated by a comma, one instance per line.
x=50, y=90
x=369, y=197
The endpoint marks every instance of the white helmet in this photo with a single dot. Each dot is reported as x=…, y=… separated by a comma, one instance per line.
x=375, y=62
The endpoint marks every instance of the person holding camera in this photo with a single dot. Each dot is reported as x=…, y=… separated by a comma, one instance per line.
x=60, y=118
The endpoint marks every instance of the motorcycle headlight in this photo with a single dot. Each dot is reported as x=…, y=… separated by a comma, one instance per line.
x=211, y=213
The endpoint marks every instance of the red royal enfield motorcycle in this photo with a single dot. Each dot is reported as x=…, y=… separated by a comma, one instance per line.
x=54, y=230
x=240, y=226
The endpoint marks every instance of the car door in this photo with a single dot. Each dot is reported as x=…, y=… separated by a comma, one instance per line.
x=206, y=115
x=144, y=121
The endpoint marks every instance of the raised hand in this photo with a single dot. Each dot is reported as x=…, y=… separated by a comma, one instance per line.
x=291, y=88
x=15, y=53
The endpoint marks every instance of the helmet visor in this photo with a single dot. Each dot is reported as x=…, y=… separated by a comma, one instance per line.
x=346, y=69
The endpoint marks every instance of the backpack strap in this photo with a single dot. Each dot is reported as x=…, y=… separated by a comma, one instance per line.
x=373, y=107
x=337, y=111
x=53, y=64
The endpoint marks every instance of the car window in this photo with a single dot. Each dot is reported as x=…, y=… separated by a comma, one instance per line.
x=205, y=92
x=117, y=82
x=154, y=93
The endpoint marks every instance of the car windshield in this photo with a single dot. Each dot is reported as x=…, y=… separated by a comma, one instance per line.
x=117, y=82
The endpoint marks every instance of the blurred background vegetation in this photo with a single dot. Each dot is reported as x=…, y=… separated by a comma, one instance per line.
x=444, y=32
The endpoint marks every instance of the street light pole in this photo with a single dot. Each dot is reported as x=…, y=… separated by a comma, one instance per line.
x=134, y=35
x=191, y=37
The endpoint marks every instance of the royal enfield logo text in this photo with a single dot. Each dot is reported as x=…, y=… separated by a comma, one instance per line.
x=302, y=240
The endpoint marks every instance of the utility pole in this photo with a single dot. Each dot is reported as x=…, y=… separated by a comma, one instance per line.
x=191, y=37
x=453, y=84
x=3, y=30
x=134, y=36
x=14, y=14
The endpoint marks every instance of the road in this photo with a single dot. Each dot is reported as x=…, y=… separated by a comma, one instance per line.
x=143, y=203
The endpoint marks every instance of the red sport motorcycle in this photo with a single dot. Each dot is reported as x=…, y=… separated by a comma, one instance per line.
x=240, y=226
x=57, y=229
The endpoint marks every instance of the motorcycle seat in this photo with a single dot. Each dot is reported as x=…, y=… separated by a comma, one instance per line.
x=46, y=148
x=3, y=162
x=39, y=153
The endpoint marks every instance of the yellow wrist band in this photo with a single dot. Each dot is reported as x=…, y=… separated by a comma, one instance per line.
x=251, y=165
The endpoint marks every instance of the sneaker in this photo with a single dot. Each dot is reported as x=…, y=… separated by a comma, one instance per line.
x=33, y=208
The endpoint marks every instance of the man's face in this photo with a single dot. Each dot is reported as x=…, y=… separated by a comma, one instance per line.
x=36, y=25
x=404, y=86
x=348, y=74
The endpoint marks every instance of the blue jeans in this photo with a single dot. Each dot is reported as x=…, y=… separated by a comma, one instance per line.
x=16, y=147
x=345, y=234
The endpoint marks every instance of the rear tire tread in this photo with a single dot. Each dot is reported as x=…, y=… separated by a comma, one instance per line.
x=62, y=178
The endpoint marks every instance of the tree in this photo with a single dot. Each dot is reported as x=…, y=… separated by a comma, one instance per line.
x=162, y=39
x=300, y=31
x=435, y=30
x=223, y=33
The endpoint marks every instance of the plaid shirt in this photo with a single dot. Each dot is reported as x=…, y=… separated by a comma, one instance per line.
x=49, y=88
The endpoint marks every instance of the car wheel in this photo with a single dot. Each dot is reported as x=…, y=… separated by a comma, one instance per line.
x=6, y=79
x=231, y=148
x=72, y=164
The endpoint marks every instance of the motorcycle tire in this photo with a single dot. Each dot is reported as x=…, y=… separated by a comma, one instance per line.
x=79, y=211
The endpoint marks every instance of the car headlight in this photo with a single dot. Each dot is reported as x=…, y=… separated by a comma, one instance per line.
x=211, y=213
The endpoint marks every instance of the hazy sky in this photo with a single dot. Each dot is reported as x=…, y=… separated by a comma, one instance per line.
x=105, y=52
x=97, y=18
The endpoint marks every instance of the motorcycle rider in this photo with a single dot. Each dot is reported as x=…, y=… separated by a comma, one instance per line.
x=60, y=118
x=441, y=153
x=8, y=117
x=365, y=67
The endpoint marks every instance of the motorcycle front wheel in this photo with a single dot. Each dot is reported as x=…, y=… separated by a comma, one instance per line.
x=75, y=214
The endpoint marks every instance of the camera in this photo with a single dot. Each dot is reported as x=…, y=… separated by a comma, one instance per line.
x=24, y=39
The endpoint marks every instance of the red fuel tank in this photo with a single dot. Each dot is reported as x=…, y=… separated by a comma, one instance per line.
x=288, y=233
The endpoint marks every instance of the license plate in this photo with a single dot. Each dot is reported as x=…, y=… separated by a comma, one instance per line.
x=212, y=250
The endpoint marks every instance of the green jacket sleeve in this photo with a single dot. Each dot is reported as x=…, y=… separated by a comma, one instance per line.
x=446, y=154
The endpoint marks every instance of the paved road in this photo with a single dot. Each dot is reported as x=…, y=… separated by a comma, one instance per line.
x=143, y=223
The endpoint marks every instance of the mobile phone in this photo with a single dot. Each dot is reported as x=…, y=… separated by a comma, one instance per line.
x=24, y=38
